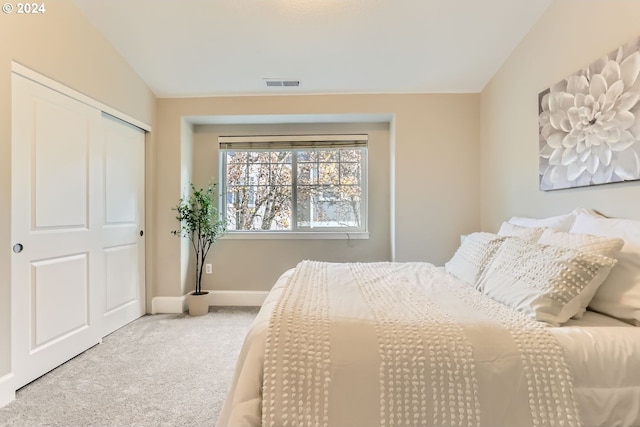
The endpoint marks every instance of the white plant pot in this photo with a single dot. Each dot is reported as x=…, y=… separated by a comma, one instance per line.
x=198, y=304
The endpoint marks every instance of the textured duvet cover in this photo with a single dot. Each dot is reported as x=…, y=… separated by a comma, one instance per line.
x=405, y=344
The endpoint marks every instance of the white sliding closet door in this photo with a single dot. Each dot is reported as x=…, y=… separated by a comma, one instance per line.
x=123, y=225
x=77, y=211
x=54, y=172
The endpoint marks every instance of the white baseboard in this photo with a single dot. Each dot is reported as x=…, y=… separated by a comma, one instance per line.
x=161, y=305
x=7, y=390
x=216, y=298
x=237, y=298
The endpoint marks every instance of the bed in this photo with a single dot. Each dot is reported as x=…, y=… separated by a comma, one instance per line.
x=505, y=334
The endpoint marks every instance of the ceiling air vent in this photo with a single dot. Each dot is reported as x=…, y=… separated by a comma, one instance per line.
x=281, y=83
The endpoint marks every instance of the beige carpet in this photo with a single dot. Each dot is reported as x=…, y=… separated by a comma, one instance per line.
x=162, y=370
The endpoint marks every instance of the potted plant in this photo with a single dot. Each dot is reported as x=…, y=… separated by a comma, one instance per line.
x=200, y=222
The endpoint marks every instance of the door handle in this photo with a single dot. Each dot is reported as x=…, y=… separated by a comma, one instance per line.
x=141, y=233
x=17, y=248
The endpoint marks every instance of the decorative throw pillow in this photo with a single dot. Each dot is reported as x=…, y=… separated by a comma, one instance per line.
x=472, y=256
x=527, y=233
x=542, y=281
x=619, y=295
x=606, y=246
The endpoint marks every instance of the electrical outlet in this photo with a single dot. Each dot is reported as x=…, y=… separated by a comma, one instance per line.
x=207, y=268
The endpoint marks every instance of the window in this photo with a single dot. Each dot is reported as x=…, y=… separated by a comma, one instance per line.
x=294, y=183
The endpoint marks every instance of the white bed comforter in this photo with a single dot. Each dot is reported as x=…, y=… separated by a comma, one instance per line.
x=406, y=344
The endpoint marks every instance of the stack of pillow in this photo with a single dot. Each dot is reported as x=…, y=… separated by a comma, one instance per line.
x=553, y=269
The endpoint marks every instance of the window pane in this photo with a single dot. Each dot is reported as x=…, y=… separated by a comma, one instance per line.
x=280, y=156
x=328, y=155
x=237, y=174
x=236, y=157
x=258, y=174
x=280, y=173
x=237, y=198
x=328, y=174
x=276, y=211
x=307, y=173
x=307, y=156
x=338, y=206
x=257, y=156
x=351, y=155
x=350, y=173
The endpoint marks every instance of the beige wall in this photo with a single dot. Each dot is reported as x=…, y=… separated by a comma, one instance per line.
x=569, y=36
x=435, y=182
x=269, y=258
x=62, y=45
x=187, y=258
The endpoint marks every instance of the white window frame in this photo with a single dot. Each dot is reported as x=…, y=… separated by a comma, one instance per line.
x=299, y=143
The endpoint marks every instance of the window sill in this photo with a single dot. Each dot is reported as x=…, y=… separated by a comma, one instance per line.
x=287, y=235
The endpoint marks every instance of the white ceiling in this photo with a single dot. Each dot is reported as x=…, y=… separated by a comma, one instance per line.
x=227, y=47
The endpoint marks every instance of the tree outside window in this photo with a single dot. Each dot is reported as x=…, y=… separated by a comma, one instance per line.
x=296, y=189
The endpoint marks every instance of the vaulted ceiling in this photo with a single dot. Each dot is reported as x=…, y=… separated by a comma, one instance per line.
x=229, y=47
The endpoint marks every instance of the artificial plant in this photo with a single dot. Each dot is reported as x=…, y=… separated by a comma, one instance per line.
x=201, y=224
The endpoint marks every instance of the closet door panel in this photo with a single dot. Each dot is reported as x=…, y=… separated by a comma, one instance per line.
x=123, y=225
x=122, y=277
x=57, y=284
x=54, y=270
x=60, y=155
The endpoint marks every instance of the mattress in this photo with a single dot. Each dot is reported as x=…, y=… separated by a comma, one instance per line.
x=602, y=355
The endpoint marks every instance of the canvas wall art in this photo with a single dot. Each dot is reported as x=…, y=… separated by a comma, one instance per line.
x=589, y=123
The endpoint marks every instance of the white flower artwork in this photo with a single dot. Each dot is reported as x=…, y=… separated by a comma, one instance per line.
x=590, y=123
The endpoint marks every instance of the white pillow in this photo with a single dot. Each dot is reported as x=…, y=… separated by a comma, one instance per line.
x=542, y=281
x=619, y=295
x=607, y=246
x=472, y=256
x=559, y=222
x=526, y=233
